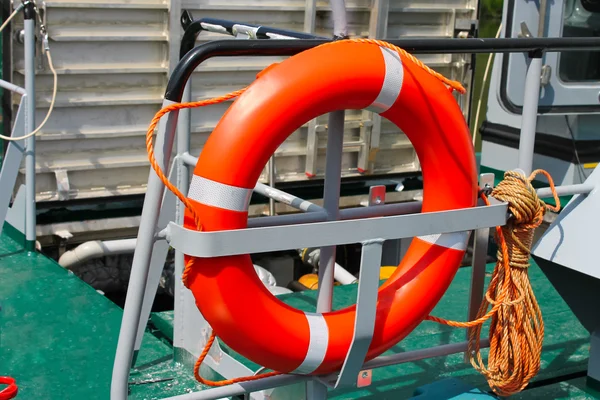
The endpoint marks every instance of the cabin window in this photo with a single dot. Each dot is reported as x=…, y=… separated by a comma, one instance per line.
x=581, y=19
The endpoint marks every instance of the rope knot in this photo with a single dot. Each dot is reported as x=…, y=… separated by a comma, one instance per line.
x=526, y=207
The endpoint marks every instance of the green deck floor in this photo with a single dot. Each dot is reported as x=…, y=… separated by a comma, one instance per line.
x=58, y=338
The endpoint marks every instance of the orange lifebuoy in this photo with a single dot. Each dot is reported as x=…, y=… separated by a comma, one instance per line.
x=342, y=75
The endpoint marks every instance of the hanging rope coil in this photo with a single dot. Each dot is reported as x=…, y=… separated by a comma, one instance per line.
x=516, y=331
x=517, y=328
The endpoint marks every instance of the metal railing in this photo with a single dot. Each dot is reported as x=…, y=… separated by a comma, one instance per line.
x=17, y=149
x=293, y=231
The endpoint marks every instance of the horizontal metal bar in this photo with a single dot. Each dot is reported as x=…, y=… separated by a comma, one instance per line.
x=331, y=233
x=283, y=380
x=566, y=190
x=286, y=198
x=289, y=219
x=12, y=87
x=194, y=28
x=237, y=389
x=384, y=210
x=415, y=355
x=274, y=47
x=270, y=192
x=345, y=214
x=189, y=159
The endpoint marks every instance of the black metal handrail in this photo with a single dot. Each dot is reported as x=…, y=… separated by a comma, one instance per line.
x=194, y=27
x=283, y=47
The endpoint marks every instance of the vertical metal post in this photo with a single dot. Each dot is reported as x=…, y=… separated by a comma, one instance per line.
x=29, y=48
x=529, y=117
x=310, y=11
x=183, y=173
x=315, y=390
x=331, y=203
x=141, y=258
x=480, y=248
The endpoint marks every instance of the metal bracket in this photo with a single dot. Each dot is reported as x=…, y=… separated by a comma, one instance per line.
x=525, y=32
x=321, y=234
x=376, y=195
x=186, y=19
x=465, y=28
x=546, y=75
x=364, y=321
x=480, y=248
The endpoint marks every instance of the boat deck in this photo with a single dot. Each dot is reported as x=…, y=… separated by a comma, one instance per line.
x=58, y=338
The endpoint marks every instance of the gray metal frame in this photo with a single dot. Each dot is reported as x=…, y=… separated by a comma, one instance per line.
x=12, y=161
x=30, y=206
x=23, y=125
x=303, y=230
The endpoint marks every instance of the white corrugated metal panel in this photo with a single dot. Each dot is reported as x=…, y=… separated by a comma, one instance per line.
x=113, y=59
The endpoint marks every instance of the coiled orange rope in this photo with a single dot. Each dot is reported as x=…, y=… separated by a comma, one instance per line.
x=517, y=328
x=516, y=331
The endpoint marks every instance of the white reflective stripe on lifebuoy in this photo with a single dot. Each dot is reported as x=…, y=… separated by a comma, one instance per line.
x=317, y=345
x=392, y=82
x=454, y=240
x=216, y=194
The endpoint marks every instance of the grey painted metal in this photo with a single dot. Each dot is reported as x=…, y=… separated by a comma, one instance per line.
x=286, y=198
x=12, y=87
x=289, y=219
x=593, y=371
x=382, y=210
x=570, y=240
x=30, y=213
x=415, y=355
x=530, y=107
x=12, y=162
x=283, y=380
x=390, y=253
x=340, y=23
x=366, y=305
x=16, y=214
x=310, y=11
x=241, y=388
x=566, y=190
x=480, y=248
x=344, y=214
x=157, y=261
x=186, y=157
x=331, y=233
x=142, y=258
x=331, y=200
x=316, y=390
x=180, y=316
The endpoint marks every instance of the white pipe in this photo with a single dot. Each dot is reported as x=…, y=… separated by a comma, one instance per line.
x=340, y=24
x=95, y=249
x=343, y=276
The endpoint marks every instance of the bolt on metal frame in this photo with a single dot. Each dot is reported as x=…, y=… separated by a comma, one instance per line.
x=297, y=230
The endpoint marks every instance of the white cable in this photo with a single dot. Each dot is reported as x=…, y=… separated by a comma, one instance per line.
x=485, y=76
x=49, y=56
x=8, y=138
x=14, y=13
